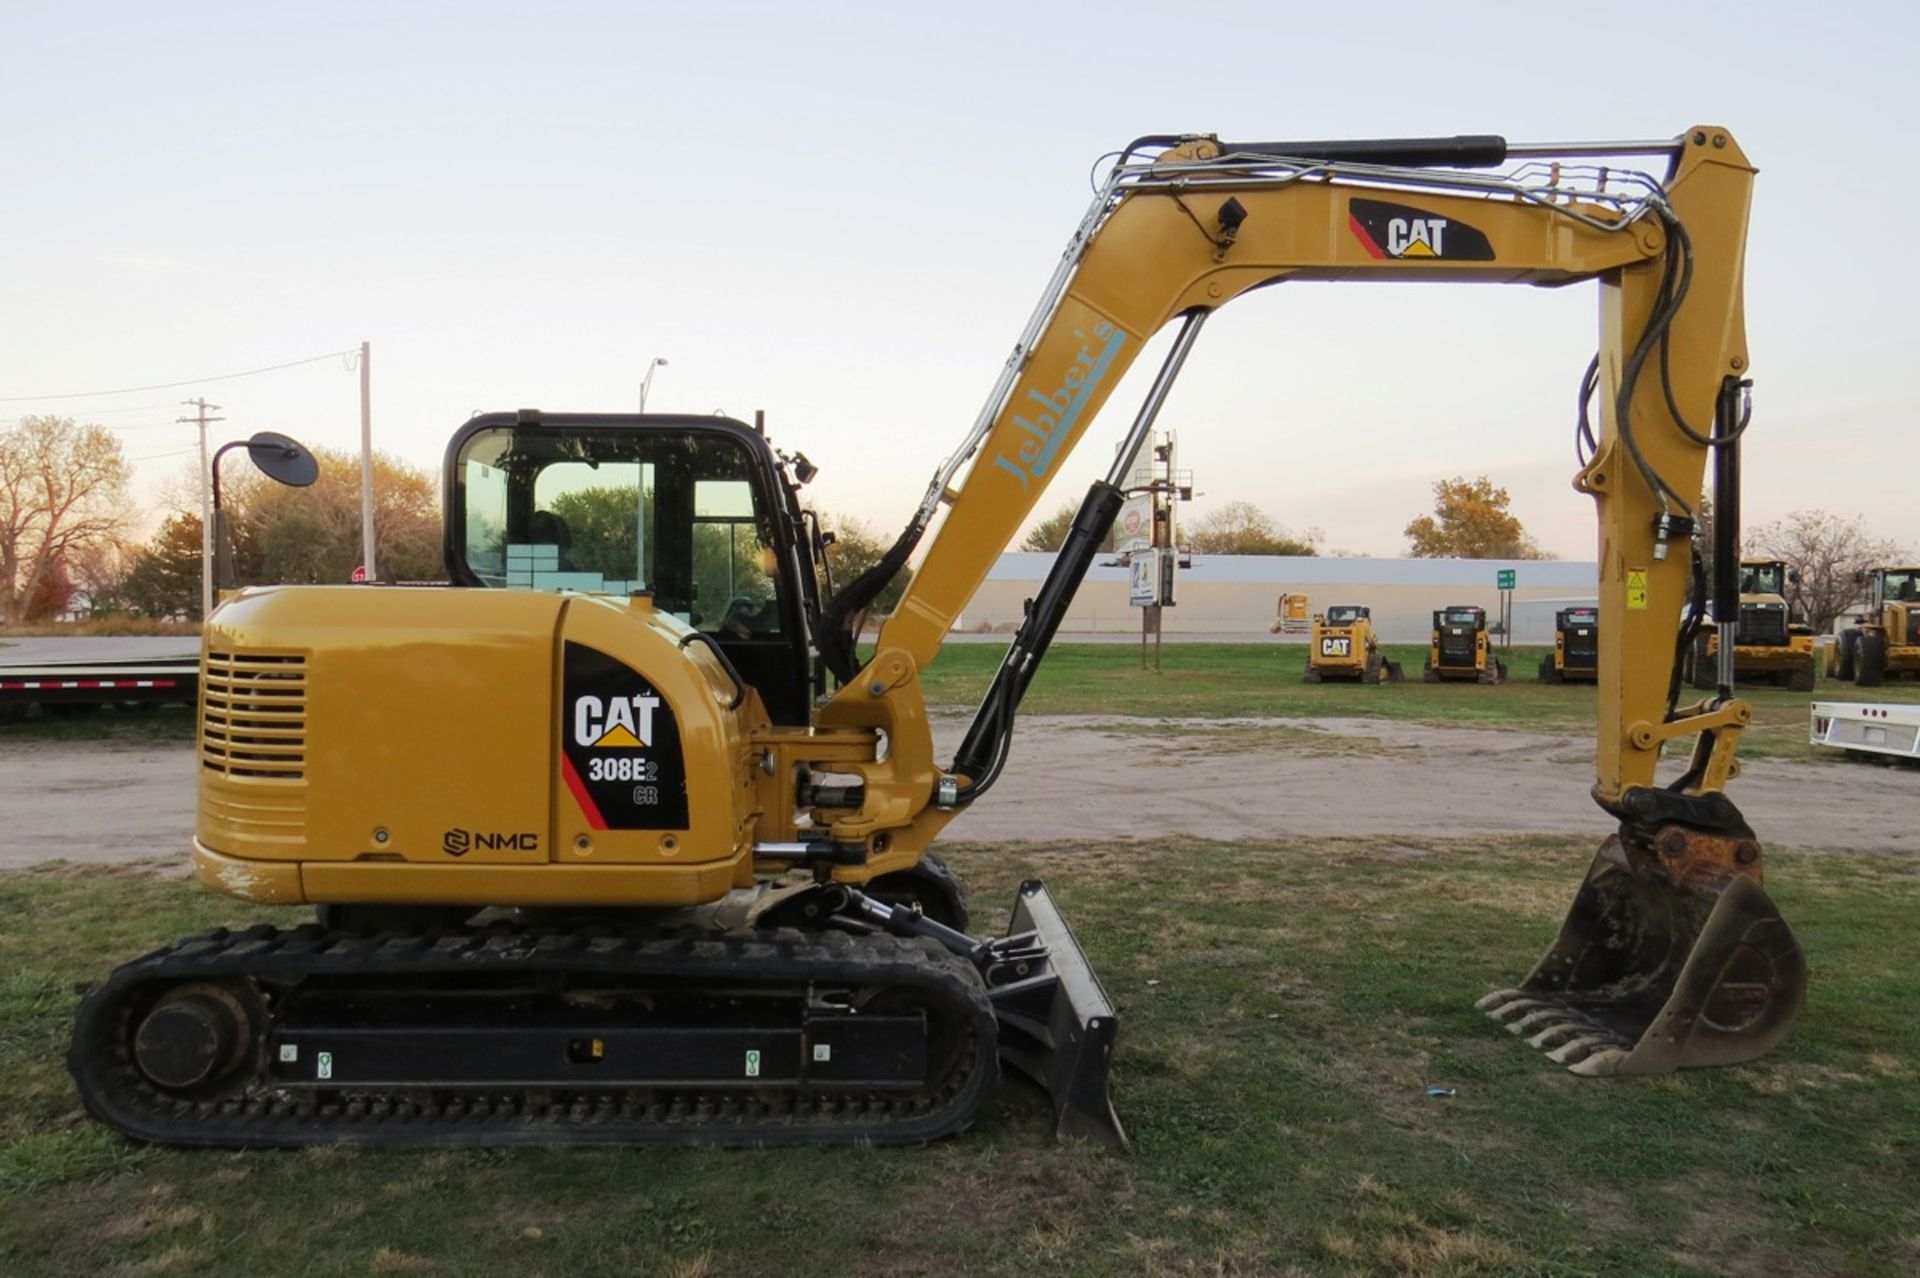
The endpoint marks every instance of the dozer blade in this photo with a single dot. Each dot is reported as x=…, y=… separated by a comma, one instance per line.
x=1673, y=956
x=1057, y=1025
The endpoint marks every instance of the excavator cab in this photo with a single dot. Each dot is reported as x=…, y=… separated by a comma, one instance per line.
x=696, y=513
x=1460, y=650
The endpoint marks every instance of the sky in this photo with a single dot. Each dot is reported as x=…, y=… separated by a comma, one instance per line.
x=842, y=214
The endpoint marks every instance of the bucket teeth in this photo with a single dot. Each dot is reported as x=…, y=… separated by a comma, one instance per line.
x=1535, y=1021
x=1660, y=967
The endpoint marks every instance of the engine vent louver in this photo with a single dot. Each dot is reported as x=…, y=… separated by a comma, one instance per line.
x=253, y=714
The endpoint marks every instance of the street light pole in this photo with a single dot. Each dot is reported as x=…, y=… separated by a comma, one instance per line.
x=646, y=383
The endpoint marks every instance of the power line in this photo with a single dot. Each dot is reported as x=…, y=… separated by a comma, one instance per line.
x=223, y=377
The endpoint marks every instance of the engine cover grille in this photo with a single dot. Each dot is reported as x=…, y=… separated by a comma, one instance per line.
x=253, y=714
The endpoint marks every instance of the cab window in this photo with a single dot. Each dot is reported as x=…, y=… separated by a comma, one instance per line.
x=619, y=511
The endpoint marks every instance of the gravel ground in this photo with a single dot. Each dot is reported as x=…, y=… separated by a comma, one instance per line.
x=1100, y=779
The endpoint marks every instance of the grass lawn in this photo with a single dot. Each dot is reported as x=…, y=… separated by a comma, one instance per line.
x=1284, y=1006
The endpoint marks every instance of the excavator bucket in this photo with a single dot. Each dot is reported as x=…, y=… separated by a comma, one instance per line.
x=1673, y=956
x=1057, y=1025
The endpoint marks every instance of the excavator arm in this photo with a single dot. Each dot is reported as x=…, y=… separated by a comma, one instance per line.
x=1677, y=891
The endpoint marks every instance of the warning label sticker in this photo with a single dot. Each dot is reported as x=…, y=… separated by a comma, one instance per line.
x=1637, y=588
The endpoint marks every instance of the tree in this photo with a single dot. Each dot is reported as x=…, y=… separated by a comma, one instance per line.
x=52, y=594
x=312, y=534
x=1242, y=528
x=1051, y=532
x=601, y=528
x=165, y=578
x=1470, y=520
x=857, y=548
x=63, y=488
x=1826, y=550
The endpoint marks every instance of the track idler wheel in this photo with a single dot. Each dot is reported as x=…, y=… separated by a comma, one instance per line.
x=1673, y=956
x=194, y=1038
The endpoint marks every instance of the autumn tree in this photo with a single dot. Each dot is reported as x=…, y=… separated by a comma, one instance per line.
x=1242, y=528
x=312, y=534
x=63, y=488
x=1051, y=532
x=1470, y=520
x=1826, y=550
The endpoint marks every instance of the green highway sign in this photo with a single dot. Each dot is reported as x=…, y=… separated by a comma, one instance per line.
x=1504, y=578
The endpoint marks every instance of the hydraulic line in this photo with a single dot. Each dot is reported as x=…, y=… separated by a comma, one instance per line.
x=983, y=753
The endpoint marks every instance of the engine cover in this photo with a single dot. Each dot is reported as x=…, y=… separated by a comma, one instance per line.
x=484, y=747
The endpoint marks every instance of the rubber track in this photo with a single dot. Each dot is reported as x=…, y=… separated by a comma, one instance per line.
x=119, y=1095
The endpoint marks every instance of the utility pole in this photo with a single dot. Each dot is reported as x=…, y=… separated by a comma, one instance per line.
x=366, y=459
x=202, y=407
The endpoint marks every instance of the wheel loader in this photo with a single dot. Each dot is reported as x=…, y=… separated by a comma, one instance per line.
x=1461, y=649
x=1342, y=645
x=1576, y=647
x=1886, y=643
x=1769, y=645
x=622, y=839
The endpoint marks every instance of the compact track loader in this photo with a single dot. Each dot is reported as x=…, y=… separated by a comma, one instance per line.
x=1461, y=648
x=1342, y=645
x=623, y=837
x=1576, y=647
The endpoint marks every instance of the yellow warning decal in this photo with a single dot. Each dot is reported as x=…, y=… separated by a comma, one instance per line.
x=1637, y=588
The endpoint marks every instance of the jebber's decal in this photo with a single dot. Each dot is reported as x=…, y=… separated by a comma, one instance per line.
x=620, y=746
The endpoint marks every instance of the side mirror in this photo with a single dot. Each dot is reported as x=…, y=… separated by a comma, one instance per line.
x=281, y=459
x=1793, y=576
x=1859, y=579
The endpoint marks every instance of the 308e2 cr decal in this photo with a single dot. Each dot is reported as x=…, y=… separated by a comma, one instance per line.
x=620, y=746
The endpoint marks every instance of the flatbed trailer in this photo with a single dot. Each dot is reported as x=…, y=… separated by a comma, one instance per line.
x=154, y=681
x=1891, y=729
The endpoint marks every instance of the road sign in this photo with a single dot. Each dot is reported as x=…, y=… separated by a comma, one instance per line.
x=1144, y=579
x=1503, y=578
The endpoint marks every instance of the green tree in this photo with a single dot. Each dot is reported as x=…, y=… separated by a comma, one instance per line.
x=1470, y=520
x=1242, y=528
x=1051, y=532
x=601, y=524
x=63, y=489
x=165, y=578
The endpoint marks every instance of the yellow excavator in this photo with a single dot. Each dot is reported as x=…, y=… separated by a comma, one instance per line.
x=621, y=839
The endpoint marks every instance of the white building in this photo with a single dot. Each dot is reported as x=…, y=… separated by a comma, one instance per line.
x=1235, y=596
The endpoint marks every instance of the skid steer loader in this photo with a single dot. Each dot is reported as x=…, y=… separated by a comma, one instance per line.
x=625, y=838
x=1342, y=645
x=1460, y=648
x=1576, y=647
